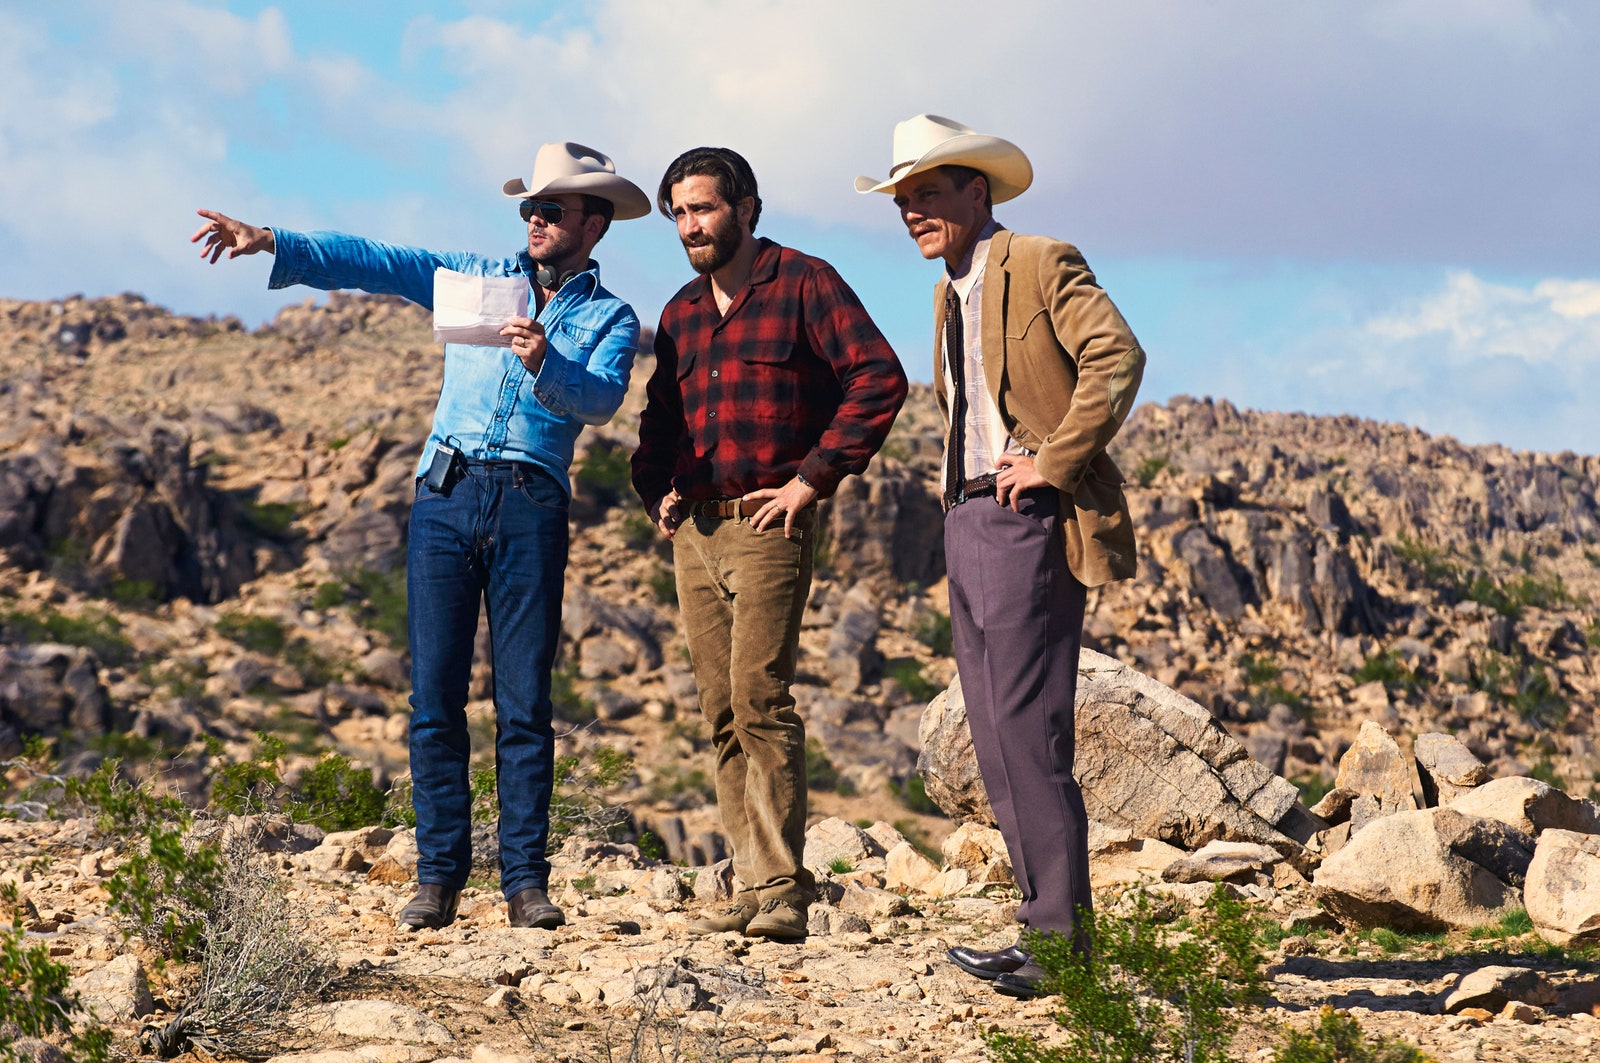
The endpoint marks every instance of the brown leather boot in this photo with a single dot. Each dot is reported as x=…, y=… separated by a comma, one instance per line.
x=532, y=907
x=730, y=919
x=434, y=906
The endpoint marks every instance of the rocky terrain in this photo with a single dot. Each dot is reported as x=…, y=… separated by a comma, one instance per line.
x=1344, y=629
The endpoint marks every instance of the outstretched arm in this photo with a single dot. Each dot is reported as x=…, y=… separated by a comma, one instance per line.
x=239, y=238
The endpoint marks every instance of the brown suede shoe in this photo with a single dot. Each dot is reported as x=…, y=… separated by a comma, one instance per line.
x=532, y=907
x=733, y=918
x=778, y=920
x=434, y=906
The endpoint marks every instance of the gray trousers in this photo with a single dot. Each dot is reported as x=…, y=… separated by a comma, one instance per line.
x=1016, y=617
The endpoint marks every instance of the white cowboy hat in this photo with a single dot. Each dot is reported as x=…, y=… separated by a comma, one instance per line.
x=565, y=167
x=927, y=141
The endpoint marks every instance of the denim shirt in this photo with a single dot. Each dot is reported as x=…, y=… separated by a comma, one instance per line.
x=490, y=405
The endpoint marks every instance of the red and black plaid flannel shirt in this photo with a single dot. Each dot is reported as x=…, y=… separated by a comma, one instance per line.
x=794, y=379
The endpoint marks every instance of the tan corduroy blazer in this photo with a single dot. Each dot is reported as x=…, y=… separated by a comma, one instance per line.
x=1066, y=373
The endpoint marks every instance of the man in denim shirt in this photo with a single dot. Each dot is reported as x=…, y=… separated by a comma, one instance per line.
x=494, y=528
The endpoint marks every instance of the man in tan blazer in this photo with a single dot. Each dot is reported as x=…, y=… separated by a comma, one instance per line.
x=1035, y=371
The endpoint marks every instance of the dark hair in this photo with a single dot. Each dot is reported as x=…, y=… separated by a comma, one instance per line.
x=735, y=179
x=603, y=207
x=962, y=176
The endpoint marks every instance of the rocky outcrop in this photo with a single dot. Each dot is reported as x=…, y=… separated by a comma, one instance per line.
x=49, y=689
x=1148, y=759
x=1428, y=869
x=1563, y=892
x=1446, y=768
x=1376, y=775
x=1530, y=806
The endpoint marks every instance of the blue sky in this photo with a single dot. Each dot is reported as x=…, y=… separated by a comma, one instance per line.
x=1384, y=208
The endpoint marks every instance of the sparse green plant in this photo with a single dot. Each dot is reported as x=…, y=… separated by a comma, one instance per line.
x=1338, y=1038
x=604, y=475
x=133, y=593
x=913, y=793
x=681, y=786
x=271, y=519
x=316, y=669
x=36, y=997
x=337, y=795
x=579, y=805
x=1140, y=989
x=168, y=873
x=96, y=631
x=1386, y=667
x=1313, y=788
x=1259, y=670
x=258, y=960
x=932, y=629
x=1146, y=471
x=664, y=584
x=262, y=634
x=637, y=531
x=1545, y=771
x=651, y=847
x=1392, y=941
x=398, y=810
x=328, y=595
x=1512, y=924
x=584, y=883
x=840, y=866
x=908, y=673
x=820, y=772
x=566, y=699
x=383, y=603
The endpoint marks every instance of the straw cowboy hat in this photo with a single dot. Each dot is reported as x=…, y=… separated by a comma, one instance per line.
x=566, y=167
x=927, y=141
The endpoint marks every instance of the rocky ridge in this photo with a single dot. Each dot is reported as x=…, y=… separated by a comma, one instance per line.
x=200, y=526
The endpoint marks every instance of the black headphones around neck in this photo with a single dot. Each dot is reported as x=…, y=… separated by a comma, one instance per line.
x=548, y=279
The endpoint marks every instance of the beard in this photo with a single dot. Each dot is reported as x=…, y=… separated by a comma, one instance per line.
x=715, y=248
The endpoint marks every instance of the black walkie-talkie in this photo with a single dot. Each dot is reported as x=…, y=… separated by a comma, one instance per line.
x=444, y=470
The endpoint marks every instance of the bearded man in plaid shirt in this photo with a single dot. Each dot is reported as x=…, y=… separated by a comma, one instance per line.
x=771, y=386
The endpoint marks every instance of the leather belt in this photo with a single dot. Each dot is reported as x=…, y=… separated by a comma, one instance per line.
x=976, y=487
x=728, y=508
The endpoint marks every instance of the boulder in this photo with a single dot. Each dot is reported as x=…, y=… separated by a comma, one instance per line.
x=833, y=839
x=852, y=653
x=1446, y=768
x=1219, y=860
x=1149, y=760
x=885, y=526
x=117, y=992
x=1495, y=987
x=52, y=689
x=1563, y=889
x=1529, y=805
x=1425, y=869
x=1373, y=766
x=908, y=869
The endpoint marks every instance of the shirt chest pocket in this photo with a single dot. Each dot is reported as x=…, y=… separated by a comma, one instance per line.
x=767, y=378
x=574, y=341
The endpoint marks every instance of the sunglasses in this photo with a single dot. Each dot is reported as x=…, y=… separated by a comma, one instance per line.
x=552, y=213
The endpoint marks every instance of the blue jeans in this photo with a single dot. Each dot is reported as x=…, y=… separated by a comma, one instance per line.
x=498, y=537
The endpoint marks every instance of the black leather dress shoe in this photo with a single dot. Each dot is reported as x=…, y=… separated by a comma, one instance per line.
x=434, y=906
x=988, y=965
x=532, y=907
x=1024, y=983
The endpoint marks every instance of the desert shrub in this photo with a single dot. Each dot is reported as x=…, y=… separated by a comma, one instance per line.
x=566, y=700
x=328, y=595
x=315, y=668
x=637, y=531
x=98, y=632
x=383, y=604
x=1145, y=989
x=908, y=673
x=1148, y=469
x=820, y=772
x=1388, y=668
x=604, y=476
x=258, y=959
x=261, y=634
x=1512, y=924
x=334, y=794
x=579, y=805
x=932, y=629
x=1338, y=1038
x=913, y=793
x=664, y=584
x=167, y=874
x=36, y=1000
x=271, y=519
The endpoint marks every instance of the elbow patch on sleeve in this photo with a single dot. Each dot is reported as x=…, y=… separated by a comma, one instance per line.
x=1125, y=383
